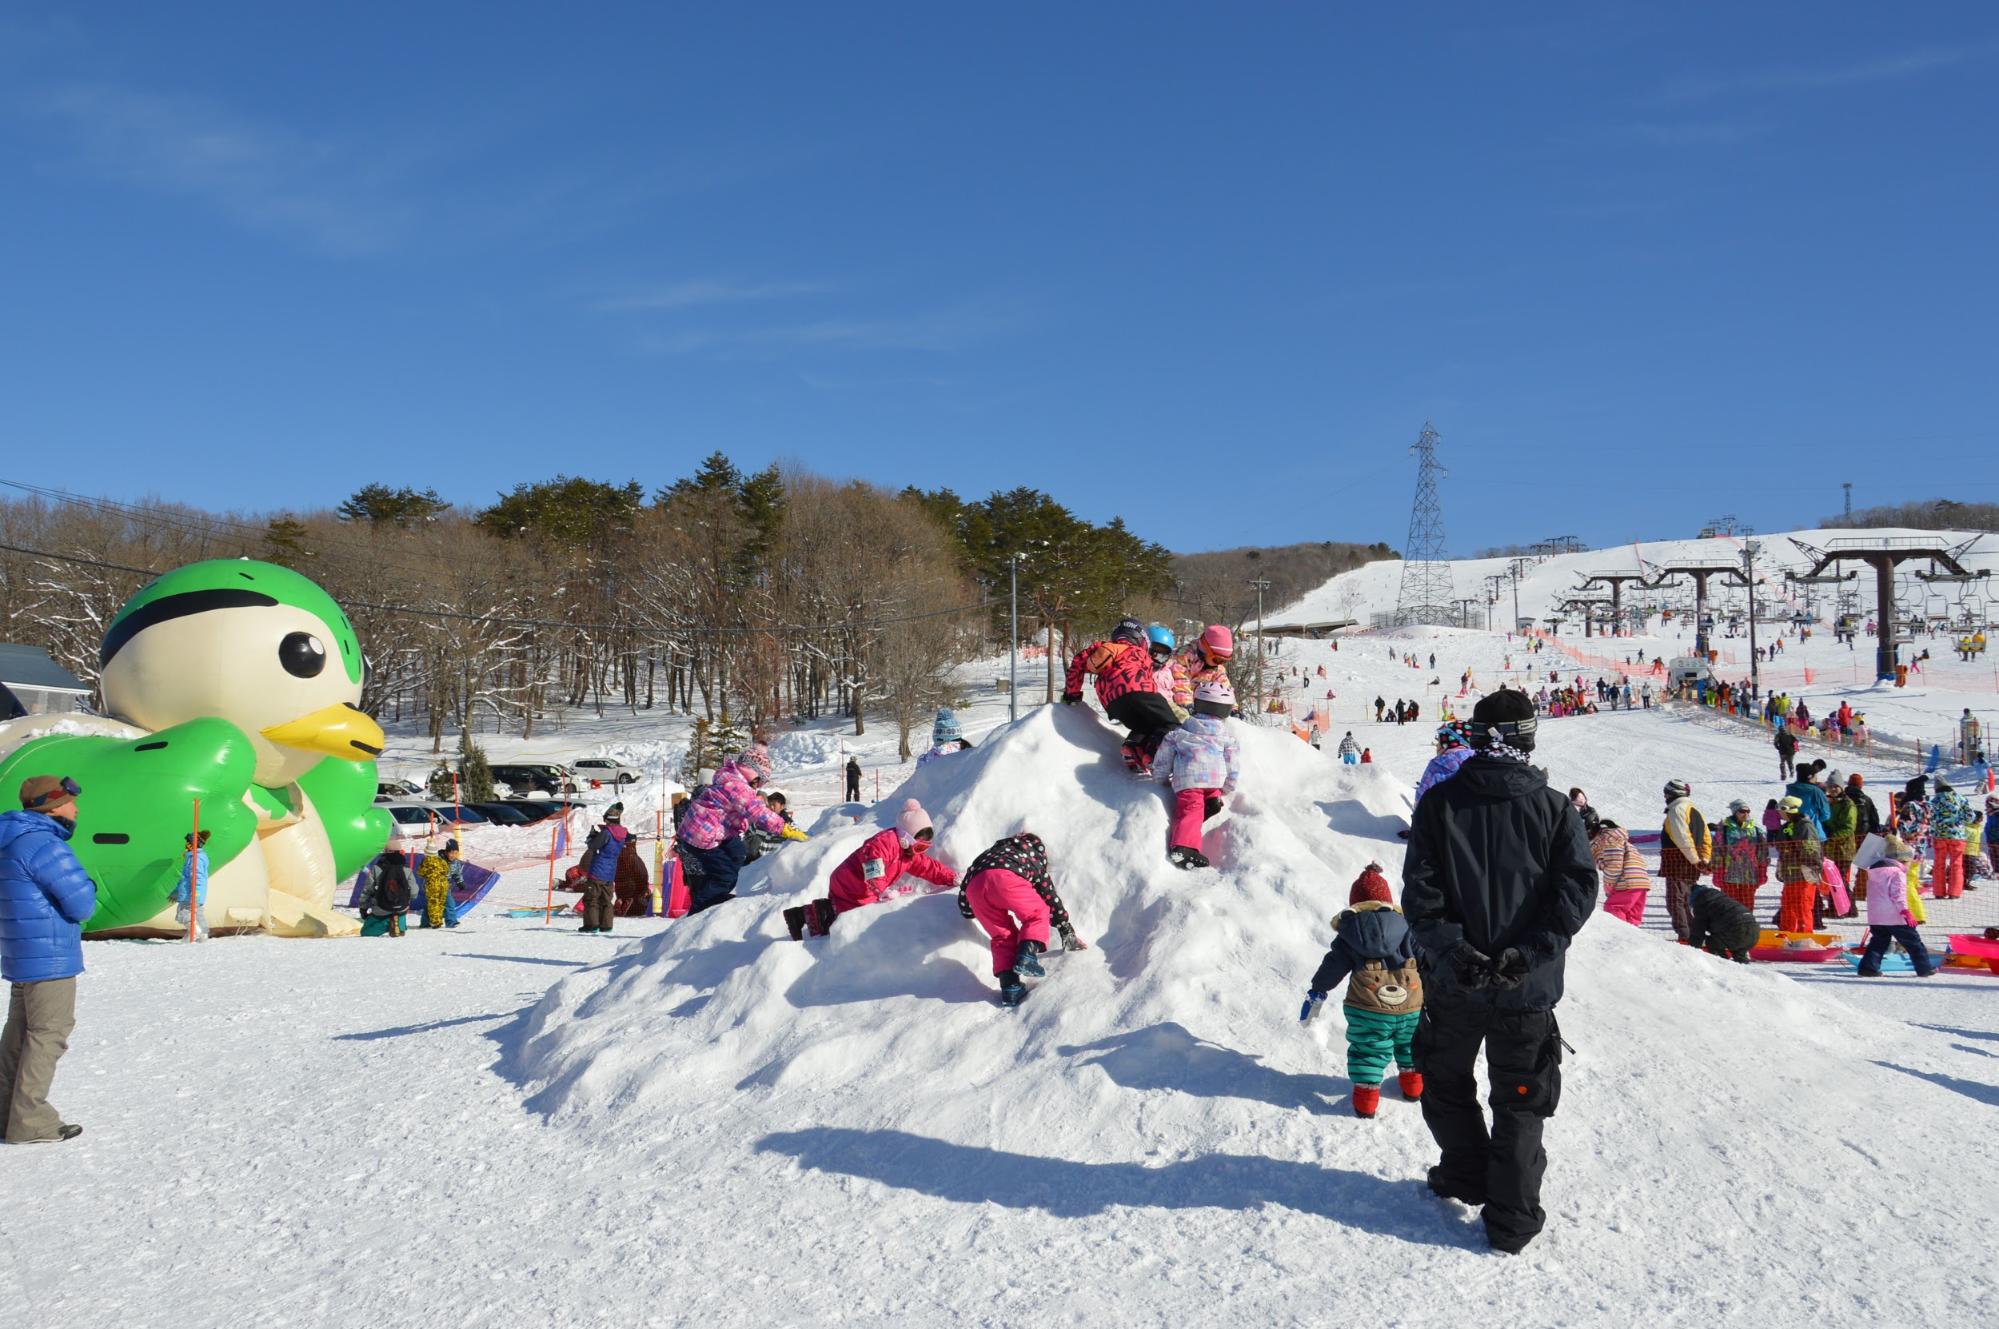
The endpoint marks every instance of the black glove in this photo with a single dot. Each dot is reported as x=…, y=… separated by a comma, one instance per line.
x=1472, y=966
x=1071, y=698
x=964, y=904
x=1212, y=806
x=1509, y=969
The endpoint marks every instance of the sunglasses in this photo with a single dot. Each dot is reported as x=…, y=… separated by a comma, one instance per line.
x=68, y=788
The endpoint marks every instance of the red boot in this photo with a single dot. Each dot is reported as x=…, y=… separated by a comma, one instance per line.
x=1412, y=1085
x=1366, y=1100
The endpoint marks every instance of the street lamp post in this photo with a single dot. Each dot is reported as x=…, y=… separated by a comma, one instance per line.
x=1261, y=586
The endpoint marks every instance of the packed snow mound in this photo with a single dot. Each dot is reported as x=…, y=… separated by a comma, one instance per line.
x=1705, y=1107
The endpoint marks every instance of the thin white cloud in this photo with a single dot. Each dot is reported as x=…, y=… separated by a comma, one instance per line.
x=337, y=197
x=1813, y=78
x=698, y=293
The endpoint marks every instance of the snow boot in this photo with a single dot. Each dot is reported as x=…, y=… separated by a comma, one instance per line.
x=1136, y=759
x=1366, y=1098
x=1411, y=1084
x=1027, y=960
x=1012, y=991
x=1440, y=1186
x=1188, y=859
x=1070, y=941
x=794, y=922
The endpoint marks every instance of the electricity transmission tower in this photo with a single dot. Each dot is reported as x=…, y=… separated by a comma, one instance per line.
x=1426, y=577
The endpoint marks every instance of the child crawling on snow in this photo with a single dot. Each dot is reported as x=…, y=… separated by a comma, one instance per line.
x=1720, y=924
x=1009, y=891
x=882, y=867
x=1202, y=761
x=1374, y=952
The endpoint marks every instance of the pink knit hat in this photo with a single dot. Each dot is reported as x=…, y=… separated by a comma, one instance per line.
x=913, y=820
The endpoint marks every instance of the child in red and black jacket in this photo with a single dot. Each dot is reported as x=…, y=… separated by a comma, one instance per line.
x=1127, y=689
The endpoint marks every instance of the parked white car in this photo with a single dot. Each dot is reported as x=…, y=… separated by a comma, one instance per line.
x=396, y=790
x=605, y=771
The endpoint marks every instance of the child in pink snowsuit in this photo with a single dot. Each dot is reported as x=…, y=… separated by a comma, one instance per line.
x=1626, y=878
x=1008, y=890
x=870, y=873
x=1202, y=762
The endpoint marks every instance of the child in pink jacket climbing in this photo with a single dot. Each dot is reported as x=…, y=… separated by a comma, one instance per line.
x=1201, y=760
x=872, y=872
x=1008, y=890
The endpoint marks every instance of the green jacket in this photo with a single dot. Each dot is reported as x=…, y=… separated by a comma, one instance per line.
x=1845, y=819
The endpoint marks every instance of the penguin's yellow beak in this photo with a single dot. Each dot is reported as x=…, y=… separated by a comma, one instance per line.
x=341, y=731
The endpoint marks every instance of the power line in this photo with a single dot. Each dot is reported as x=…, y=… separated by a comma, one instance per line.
x=700, y=630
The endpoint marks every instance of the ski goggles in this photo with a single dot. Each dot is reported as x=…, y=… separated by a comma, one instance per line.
x=66, y=789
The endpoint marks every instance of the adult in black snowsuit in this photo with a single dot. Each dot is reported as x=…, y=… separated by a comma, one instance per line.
x=1498, y=877
x=1719, y=925
x=1379, y=707
x=853, y=779
x=1786, y=744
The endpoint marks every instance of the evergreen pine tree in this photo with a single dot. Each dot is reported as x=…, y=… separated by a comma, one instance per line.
x=475, y=773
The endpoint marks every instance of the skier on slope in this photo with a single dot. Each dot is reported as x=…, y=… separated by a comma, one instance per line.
x=1126, y=688
x=1497, y=880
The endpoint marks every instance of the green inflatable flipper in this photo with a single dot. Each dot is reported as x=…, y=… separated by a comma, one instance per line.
x=138, y=806
x=343, y=794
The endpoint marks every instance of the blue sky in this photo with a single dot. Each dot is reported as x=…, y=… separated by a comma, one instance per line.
x=1207, y=267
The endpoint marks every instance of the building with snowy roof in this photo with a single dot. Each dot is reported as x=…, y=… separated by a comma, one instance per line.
x=32, y=683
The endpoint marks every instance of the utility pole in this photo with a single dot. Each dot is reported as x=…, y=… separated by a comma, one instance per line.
x=1261, y=586
x=1750, y=549
x=1013, y=637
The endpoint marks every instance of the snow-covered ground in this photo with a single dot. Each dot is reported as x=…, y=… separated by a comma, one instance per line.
x=703, y=1122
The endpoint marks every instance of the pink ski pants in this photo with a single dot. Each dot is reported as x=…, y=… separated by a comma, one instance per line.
x=1190, y=809
x=1627, y=905
x=999, y=898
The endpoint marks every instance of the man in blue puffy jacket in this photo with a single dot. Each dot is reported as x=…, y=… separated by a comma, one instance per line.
x=45, y=895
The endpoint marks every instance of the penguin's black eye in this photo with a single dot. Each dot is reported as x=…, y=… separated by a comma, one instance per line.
x=302, y=655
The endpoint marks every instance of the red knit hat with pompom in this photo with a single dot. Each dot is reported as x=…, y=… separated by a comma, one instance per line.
x=1371, y=885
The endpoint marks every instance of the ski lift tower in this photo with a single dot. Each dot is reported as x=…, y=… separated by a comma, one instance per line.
x=1699, y=571
x=1591, y=607
x=1614, y=580
x=1426, y=577
x=1884, y=556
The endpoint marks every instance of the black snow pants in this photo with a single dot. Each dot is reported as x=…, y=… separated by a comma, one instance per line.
x=1147, y=715
x=1500, y=1168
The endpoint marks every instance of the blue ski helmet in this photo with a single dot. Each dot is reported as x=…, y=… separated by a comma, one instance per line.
x=1160, y=636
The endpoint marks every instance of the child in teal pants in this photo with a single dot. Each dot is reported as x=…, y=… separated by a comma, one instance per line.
x=1373, y=951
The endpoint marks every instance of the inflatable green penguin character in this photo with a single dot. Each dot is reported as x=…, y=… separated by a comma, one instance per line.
x=235, y=683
